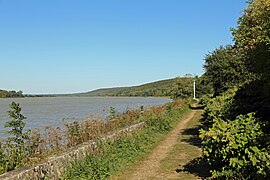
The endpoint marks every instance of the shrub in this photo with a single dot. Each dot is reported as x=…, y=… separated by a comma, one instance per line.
x=235, y=148
x=221, y=107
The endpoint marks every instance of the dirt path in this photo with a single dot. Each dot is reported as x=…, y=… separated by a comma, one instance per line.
x=149, y=167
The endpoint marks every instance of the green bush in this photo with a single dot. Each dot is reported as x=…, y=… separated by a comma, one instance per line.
x=204, y=99
x=235, y=149
x=221, y=107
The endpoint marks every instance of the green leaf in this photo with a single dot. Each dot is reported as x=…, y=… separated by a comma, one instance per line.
x=255, y=149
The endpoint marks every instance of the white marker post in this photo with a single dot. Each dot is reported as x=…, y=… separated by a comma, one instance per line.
x=194, y=89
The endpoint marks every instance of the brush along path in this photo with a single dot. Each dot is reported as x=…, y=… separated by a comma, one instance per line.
x=150, y=166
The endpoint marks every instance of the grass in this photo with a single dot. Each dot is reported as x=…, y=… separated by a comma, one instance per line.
x=183, y=161
x=113, y=157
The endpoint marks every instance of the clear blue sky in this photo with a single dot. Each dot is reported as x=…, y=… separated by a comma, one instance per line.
x=64, y=46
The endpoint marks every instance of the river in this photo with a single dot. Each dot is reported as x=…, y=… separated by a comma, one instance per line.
x=57, y=111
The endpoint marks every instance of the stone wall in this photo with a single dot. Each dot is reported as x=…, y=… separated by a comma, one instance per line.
x=55, y=166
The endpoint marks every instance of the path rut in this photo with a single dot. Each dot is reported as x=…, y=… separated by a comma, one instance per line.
x=148, y=168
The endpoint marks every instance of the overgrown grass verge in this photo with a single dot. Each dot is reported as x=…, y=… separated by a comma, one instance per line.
x=26, y=148
x=182, y=160
x=113, y=156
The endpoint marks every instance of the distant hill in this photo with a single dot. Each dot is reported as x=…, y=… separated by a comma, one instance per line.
x=158, y=88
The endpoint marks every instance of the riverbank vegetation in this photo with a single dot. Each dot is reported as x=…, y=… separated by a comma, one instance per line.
x=112, y=156
x=236, y=132
x=10, y=94
x=24, y=148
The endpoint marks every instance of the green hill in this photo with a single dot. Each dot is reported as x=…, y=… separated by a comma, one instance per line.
x=158, y=88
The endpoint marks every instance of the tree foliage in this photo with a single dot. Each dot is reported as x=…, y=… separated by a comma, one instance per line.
x=9, y=94
x=224, y=69
x=236, y=140
x=17, y=147
x=252, y=38
x=179, y=87
x=182, y=88
x=16, y=124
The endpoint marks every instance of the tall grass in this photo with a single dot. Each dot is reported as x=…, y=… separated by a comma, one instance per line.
x=54, y=141
x=112, y=156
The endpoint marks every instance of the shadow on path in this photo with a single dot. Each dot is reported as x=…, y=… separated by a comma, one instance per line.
x=197, y=166
x=192, y=136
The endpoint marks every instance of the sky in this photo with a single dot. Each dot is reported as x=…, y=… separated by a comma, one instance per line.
x=68, y=46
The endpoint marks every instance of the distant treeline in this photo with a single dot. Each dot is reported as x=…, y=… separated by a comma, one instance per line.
x=180, y=87
x=10, y=94
x=19, y=94
x=160, y=88
x=39, y=95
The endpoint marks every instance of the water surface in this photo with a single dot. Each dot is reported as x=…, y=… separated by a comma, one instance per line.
x=50, y=111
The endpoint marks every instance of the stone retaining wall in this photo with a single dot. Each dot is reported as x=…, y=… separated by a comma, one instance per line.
x=55, y=166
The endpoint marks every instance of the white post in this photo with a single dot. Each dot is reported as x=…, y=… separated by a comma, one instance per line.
x=194, y=89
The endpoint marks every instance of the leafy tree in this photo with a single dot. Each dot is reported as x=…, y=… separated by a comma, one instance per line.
x=18, y=146
x=252, y=39
x=245, y=64
x=238, y=145
x=182, y=88
x=17, y=124
x=9, y=94
x=224, y=69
